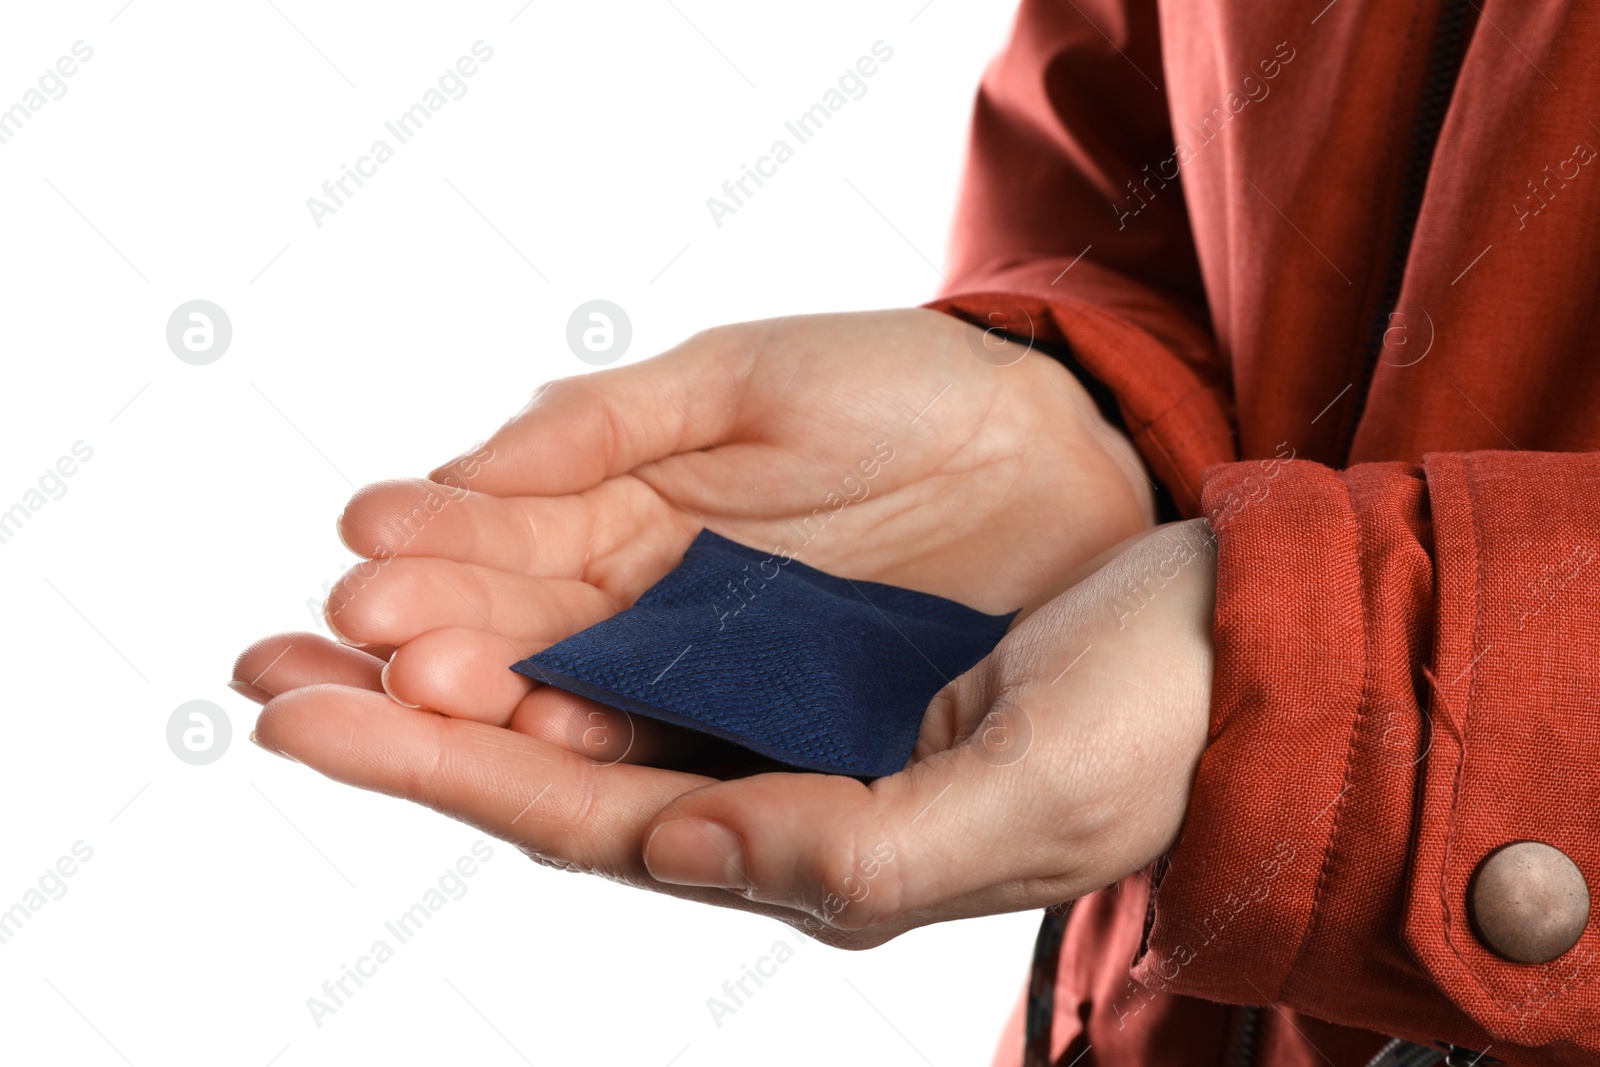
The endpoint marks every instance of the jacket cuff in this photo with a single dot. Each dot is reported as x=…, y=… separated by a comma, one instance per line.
x=1125, y=334
x=1514, y=738
x=1404, y=682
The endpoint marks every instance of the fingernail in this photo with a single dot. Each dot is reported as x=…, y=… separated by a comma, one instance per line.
x=254, y=740
x=696, y=852
x=449, y=469
x=250, y=692
x=338, y=525
x=383, y=677
x=327, y=620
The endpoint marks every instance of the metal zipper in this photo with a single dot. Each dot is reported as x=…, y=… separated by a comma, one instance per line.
x=1438, y=86
x=1039, y=1016
x=1439, y=80
x=1246, y=1030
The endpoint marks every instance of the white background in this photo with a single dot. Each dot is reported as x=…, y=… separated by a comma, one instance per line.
x=177, y=166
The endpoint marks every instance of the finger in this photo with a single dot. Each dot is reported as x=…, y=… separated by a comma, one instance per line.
x=551, y=803
x=576, y=432
x=505, y=783
x=854, y=856
x=415, y=517
x=620, y=536
x=543, y=537
x=607, y=735
x=283, y=662
x=404, y=598
x=463, y=673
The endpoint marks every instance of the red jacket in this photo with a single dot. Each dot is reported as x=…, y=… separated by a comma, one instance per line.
x=1340, y=266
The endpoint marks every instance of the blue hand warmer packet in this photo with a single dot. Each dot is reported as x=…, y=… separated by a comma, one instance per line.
x=815, y=671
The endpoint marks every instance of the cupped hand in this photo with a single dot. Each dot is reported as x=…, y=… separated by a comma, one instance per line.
x=885, y=446
x=1059, y=764
x=875, y=446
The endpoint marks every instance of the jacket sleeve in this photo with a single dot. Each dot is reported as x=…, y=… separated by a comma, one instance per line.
x=1406, y=673
x=1068, y=122
x=1405, y=682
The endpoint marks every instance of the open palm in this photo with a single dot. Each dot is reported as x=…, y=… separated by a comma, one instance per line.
x=875, y=446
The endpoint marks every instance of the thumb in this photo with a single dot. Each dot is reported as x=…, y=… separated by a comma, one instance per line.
x=849, y=855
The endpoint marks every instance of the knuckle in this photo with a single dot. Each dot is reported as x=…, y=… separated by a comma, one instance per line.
x=550, y=391
x=481, y=592
x=858, y=893
x=570, y=819
x=553, y=862
x=716, y=336
x=425, y=781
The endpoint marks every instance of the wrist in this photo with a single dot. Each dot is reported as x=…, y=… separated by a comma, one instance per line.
x=1185, y=556
x=1056, y=380
x=1171, y=587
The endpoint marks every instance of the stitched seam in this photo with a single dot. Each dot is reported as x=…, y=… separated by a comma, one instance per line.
x=1450, y=926
x=1452, y=821
x=1340, y=806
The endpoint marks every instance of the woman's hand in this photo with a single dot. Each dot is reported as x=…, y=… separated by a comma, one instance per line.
x=1059, y=764
x=875, y=446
